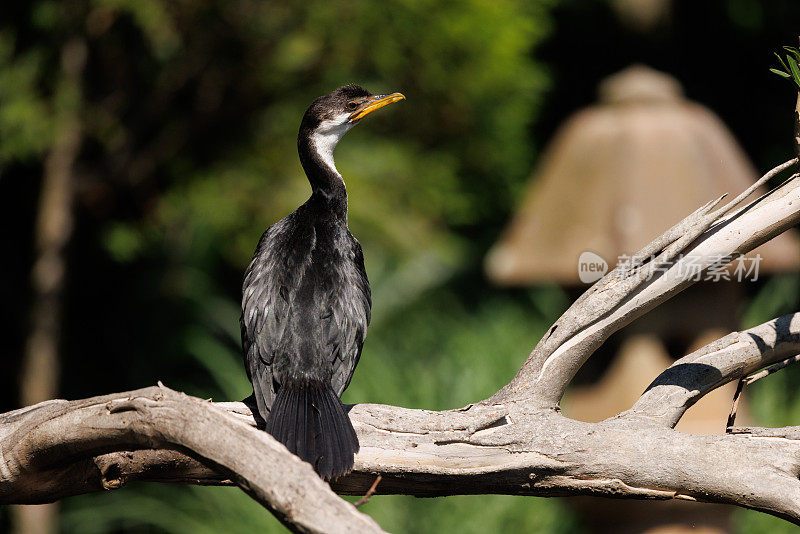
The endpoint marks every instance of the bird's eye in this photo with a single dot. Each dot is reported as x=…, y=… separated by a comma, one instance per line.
x=352, y=105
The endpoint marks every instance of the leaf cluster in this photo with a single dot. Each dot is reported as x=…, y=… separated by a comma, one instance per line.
x=791, y=69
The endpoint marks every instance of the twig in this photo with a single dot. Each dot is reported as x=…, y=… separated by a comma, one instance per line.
x=747, y=192
x=735, y=405
x=746, y=381
x=370, y=493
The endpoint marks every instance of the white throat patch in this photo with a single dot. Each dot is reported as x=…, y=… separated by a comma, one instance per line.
x=327, y=135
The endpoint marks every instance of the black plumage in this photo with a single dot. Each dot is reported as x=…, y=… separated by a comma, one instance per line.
x=306, y=299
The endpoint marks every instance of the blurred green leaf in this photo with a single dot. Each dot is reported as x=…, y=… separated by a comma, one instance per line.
x=123, y=242
x=780, y=295
x=223, y=365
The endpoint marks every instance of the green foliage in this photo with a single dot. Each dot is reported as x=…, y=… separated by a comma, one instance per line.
x=208, y=510
x=465, y=70
x=149, y=508
x=778, y=296
x=478, y=514
x=748, y=522
x=442, y=353
x=189, y=115
x=790, y=66
x=25, y=123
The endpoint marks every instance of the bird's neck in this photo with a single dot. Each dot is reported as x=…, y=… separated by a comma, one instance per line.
x=327, y=185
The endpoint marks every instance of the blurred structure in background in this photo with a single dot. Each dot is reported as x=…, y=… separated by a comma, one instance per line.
x=616, y=176
x=642, y=15
x=620, y=173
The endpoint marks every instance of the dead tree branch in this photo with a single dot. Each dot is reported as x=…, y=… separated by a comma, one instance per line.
x=49, y=447
x=729, y=358
x=516, y=442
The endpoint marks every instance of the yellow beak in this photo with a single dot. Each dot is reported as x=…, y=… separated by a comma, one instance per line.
x=374, y=103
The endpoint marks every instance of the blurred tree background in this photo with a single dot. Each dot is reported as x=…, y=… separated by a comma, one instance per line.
x=183, y=116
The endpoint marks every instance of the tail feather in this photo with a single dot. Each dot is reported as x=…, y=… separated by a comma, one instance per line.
x=302, y=446
x=279, y=406
x=326, y=429
x=339, y=443
x=311, y=422
x=342, y=429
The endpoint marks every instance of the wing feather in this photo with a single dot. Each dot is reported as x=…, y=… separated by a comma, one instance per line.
x=350, y=318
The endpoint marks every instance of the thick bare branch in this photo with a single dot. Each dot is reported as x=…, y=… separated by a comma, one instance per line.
x=505, y=449
x=49, y=447
x=726, y=359
x=786, y=432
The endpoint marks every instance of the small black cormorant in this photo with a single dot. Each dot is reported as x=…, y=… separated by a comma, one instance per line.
x=306, y=299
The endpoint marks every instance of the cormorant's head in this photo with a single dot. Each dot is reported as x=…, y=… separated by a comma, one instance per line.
x=343, y=108
x=329, y=117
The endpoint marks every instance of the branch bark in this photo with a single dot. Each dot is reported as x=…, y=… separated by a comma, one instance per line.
x=515, y=442
x=505, y=449
x=729, y=358
x=36, y=441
